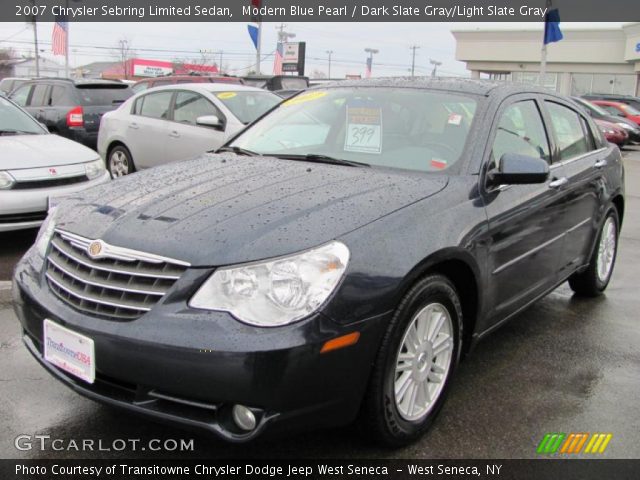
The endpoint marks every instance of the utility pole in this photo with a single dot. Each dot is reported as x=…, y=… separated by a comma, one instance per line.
x=221, y=52
x=329, y=52
x=435, y=64
x=413, y=58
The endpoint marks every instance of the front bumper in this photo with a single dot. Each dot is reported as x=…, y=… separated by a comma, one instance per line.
x=190, y=367
x=22, y=209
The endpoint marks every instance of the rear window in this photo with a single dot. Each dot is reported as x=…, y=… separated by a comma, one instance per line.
x=93, y=95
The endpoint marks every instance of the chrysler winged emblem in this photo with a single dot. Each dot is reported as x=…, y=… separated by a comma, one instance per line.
x=95, y=248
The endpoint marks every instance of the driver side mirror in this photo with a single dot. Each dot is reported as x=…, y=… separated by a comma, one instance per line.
x=516, y=169
x=212, y=121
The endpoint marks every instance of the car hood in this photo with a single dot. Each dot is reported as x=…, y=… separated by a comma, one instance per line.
x=47, y=150
x=614, y=120
x=224, y=209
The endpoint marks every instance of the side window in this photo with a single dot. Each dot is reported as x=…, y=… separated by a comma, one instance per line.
x=521, y=131
x=57, y=95
x=569, y=133
x=21, y=95
x=156, y=105
x=39, y=96
x=139, y=87
x=591, y=138
x=189, y=106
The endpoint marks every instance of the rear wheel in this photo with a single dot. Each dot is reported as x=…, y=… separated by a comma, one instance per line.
x=417, y=358
x=119, y=162
x=594, y=280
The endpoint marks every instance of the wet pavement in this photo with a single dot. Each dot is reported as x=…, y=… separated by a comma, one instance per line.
x=564, y=365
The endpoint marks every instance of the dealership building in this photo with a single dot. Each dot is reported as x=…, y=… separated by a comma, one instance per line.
x=597, y=60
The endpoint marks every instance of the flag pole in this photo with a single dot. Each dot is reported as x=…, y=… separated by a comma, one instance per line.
x=543, y=64
x=258, y=45
x=66, y=46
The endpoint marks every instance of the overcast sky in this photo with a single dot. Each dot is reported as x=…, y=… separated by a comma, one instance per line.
x=91, y=42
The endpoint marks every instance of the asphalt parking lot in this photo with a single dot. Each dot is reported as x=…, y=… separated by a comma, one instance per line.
x=564, y=365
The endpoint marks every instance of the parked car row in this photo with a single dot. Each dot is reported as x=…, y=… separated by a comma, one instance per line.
x=333, y=261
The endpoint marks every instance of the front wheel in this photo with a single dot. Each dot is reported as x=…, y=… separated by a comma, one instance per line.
x=594, y=280
x=119, y=162
x=416, y=361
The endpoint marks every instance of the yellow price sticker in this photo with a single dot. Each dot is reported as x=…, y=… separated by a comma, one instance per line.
x=304, y=97
x=226, y=95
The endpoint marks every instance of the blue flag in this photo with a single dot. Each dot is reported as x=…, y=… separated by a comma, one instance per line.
x=552, y=32
x=253, y=33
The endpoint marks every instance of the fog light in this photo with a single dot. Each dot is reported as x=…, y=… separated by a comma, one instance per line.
x=244, y=418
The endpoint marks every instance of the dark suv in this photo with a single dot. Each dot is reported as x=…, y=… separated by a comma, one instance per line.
x=71, y=108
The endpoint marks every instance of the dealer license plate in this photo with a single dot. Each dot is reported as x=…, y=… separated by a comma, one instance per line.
x=70, y=351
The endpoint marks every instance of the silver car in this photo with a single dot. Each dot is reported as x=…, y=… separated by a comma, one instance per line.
x=36, y=165
x=176, y=122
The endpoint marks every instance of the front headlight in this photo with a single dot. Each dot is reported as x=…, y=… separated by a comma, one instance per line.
x=6, y=180
x=275, y=292
x=626, y=126
x=46, y=232
x=94, y=169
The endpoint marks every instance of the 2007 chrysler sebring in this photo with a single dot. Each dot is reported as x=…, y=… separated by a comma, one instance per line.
x=334, y=260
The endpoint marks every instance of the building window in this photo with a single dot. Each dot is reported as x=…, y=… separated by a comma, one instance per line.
x=533, y=78
x=585, y=83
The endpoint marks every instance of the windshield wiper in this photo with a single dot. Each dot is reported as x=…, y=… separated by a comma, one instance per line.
x=237, y=151
x=318, y=158
x=16, y=132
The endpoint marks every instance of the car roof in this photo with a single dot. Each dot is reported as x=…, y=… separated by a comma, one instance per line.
x=76, y=81
x=451, y=84
x=209, y=87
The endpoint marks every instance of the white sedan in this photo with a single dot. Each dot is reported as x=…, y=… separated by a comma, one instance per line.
x=36, y=166
x=176, y=122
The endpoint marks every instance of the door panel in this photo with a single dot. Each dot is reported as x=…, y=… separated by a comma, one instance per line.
x=583, y=165
x=186, y=139
x=147, y=130
x=526, y=230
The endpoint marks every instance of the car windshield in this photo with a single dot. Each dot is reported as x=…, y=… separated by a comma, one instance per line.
x=247, y=106
x=15, y=121
x=408, y=128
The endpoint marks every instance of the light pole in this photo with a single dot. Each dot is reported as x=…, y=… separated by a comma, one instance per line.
x=371, y=52
x=435, y=64
x=329, y=52
x=413, y=58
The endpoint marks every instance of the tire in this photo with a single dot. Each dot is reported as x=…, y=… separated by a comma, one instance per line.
x=120, y=162
x=387, y=415
x=594, y=280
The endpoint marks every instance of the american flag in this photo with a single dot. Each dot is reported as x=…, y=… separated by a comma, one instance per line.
x=59, y=37
x=367, y=73
x=277, y=61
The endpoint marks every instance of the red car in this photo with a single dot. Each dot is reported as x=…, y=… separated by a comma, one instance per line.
x=613, y=133
x=176, y=79
x=619, y=109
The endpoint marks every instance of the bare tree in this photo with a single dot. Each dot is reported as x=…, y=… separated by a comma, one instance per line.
x=7, y=54
x=318, y=74
x=124, y=53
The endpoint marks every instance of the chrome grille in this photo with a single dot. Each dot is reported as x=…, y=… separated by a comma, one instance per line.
x=118, y=283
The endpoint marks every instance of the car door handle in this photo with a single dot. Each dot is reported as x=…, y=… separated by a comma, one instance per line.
x=134, y=126
x=600, y=163
x=174, y=134
x=558, y=182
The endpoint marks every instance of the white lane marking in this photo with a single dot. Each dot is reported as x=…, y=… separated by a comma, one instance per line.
x=5, y=285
